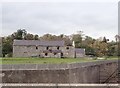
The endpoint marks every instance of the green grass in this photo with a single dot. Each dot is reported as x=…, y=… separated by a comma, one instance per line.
x=45, y=60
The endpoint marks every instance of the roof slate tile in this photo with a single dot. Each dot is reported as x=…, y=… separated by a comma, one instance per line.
x=38, y=43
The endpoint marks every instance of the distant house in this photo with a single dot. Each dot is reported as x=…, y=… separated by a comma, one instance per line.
x=37, y=48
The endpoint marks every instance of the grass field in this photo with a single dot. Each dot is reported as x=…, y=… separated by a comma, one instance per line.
x=45, y=60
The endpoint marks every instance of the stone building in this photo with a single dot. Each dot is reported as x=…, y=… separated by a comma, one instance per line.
x=37, y=48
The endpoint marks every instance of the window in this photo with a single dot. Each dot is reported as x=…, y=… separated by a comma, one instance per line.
x=25, y=52
x=50, y=50
x=46, y=54
x=58, y=48
x=67, y=48
x=47, y=48
x=28, y=46
x=36, y=47
x=55, y=53
x=61, y=55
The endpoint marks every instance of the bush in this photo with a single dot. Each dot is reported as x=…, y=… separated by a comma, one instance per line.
x=9, y=55
x=94, y=58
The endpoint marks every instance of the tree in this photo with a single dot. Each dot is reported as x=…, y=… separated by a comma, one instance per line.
x=67, y=40
x=77, y=38
x=104, y=40
x=20, y=34
x=87, y=43
x=36, y=37
x=46, y=37
x=29, y=37
x=111, y=49
x=100, y=47
x=7, y=45
x=7, y=42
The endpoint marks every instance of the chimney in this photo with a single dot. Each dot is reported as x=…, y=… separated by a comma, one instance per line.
x=73, y=43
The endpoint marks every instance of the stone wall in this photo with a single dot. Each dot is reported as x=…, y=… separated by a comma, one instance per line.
x=24, y=51
x=68, y=51
x=61, y=86
x=90, y=72
x=31, y=51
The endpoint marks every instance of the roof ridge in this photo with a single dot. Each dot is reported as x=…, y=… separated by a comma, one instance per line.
x=39, y=42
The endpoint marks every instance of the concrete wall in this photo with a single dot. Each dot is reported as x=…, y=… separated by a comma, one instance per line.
x=91, y=72
x=61, y=86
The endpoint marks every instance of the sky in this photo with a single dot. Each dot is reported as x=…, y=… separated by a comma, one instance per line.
x=95, y=19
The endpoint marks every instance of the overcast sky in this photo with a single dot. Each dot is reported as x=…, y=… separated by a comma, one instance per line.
x=93, y=18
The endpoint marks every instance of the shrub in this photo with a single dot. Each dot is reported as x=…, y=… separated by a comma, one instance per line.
x=9, y=55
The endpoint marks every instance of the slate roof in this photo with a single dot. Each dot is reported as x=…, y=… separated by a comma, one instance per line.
x=78, y=50
x=38, y=42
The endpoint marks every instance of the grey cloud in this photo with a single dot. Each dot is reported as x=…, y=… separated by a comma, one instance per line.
x=59, y=18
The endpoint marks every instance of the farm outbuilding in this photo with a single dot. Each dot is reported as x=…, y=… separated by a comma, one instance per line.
x=37, y=48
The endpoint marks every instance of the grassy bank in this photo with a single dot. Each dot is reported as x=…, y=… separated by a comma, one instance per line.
x=45, y=60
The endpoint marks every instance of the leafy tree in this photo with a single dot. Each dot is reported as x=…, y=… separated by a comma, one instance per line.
x=36, y=37
x=7, y=42
x=77, y=38
x=104, y=40
x=20, y=34
x=6, y=45
x=29, y=36
x=87, y=43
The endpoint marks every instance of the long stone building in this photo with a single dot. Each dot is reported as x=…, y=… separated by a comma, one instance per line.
x=37, y=48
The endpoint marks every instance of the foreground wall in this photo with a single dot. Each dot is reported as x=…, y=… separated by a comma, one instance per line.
x=91, y=72
x=61, y=86
x=52, y=76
